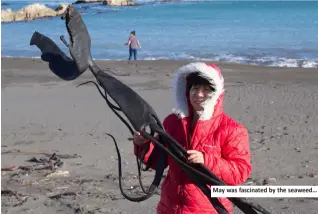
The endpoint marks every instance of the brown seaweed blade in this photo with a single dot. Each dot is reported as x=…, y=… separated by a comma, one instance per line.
x=59, y=63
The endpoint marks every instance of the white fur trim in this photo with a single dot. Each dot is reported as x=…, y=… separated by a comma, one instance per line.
x=179, y=85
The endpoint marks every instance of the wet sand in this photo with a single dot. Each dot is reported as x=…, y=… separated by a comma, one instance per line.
x=44, y=114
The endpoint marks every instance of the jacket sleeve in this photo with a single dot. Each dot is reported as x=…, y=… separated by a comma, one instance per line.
x=138, y=150
x=167, y=124
x=233, y=166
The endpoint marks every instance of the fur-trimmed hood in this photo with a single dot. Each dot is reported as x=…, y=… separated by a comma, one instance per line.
x=208, y=71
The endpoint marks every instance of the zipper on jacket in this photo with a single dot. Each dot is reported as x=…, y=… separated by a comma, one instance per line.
x=181, y=189
x=188, y=136
x=188, y=139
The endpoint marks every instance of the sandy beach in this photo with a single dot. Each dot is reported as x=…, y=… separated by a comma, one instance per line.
x=42, y=115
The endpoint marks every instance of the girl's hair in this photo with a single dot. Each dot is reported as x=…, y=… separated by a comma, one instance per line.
x=196, y=79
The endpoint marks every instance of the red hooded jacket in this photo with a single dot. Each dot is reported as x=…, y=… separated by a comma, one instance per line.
x=222, y=140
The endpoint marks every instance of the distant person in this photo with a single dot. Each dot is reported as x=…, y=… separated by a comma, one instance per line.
x=133, y=43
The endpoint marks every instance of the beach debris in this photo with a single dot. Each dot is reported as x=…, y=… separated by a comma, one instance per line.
x=286, y=177
x=249, y=181
x=58, y=174
x=58, y=196
x=54, y=161
x=259, y=181
x=297, y=150
x=62, y=156
x=21, y=198
x=311, y=175
x=116, y=73
x=64, y=187
x=10, y=168
x=269, y=181
x=110, y=176
x=11, y=151
x=69, y=156
x=41, y=163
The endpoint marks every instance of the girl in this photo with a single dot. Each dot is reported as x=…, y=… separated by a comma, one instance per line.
x=209, y=135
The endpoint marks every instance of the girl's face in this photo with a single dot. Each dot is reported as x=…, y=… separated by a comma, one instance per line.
x=198, y=95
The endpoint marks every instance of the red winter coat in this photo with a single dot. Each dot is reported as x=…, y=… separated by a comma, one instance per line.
x=223, y=142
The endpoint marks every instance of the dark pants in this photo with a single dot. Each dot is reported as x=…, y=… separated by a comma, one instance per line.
x=131, y=52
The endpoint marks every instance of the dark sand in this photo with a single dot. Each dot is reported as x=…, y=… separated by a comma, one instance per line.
x=42, y=113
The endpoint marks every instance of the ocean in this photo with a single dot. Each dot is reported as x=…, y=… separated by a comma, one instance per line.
x=270, y=33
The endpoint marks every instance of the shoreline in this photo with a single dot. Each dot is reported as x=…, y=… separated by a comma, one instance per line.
x=42, y=113
x=173, y=60
x=233, y=73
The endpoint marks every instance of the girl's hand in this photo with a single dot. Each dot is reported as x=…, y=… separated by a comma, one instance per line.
x=195, y=156
x=138, y=139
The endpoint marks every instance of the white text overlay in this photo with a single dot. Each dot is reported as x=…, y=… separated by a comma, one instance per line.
x=265, y=191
